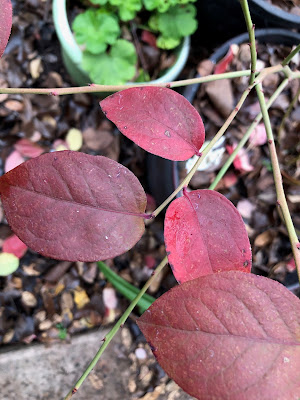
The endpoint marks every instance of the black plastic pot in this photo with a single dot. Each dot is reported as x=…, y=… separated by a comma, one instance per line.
x=163, y=174
x=269, y=15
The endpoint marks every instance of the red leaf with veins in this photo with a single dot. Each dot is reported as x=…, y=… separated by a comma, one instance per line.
x=204, y=233
x=5, y=23
x=73, y=206
x=159, y=120
x=228, y=336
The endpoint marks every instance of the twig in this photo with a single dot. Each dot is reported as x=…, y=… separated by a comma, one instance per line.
x=243, y=141
x=281, y=200
x=219, y=134
x=287, y=114
x=93, y=88
x=250, y=28
x=291, y=55
x=115, y=329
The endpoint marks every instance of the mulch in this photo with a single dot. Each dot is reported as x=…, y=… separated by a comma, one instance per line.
x=49, y=301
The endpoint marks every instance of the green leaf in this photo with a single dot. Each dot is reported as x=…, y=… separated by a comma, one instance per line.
x=167, y=43
x=96, y=29
x=125, y=288
x=9, y=263
x=129, y=8
x=100, y=2
x=113, y=68
x=177, y=22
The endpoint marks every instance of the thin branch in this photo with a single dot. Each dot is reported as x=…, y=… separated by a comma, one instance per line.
x=281, y=200
x=93, y=88
x=250, y=28
x=243, y=141
x=115, y=329
x=291, y=55
x=287, y=114
x=219, y=134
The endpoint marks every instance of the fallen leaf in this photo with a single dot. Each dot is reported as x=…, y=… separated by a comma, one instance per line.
x=14, y=246
x=80, y=297
x=74, y=139
x=245, y=208
x=28, y=299
x=241, y=161
x=221, y=95
x=258, y=136
x=28, y=149
x=9, y=263
x=109, y=298
x=230, y=335
x=225, y=62
x=36, y=68
x=13, y=160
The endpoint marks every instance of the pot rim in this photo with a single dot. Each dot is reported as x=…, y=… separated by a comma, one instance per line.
x=277, y=12
x=73, y=51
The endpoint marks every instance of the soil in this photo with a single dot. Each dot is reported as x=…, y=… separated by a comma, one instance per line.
x=291, y=6
x=46, y=301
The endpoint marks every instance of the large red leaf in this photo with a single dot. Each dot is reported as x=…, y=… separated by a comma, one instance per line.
x=204, y=233
x=228, y=336
x=73, y=206
x=159, y=120
x=5, y=23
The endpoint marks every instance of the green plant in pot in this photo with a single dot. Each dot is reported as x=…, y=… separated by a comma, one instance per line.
x=119, y=41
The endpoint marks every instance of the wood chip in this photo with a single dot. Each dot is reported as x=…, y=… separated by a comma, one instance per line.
x=28, y=299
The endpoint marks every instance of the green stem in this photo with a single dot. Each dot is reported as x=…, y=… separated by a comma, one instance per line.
x=114, y=88
x=115, y=329
x=125, y=288
x=189, y=176
x=287, y=114
x=281, y=200
x=250, y=28
x=204, y=153
x=291, y=55
x=243, y=141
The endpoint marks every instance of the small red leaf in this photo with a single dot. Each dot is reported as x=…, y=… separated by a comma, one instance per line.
x=228, y=336
x=224, y=63
x=159, y=120
x=14, y=245
x=73, y=206
x=13, y=160
x=149, y=38
x=5, y=23
x=204, y=233
x=241, y=161
x=28, y=148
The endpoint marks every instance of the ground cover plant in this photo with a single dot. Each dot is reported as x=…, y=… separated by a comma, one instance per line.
x=222, y=332
x=111, y=58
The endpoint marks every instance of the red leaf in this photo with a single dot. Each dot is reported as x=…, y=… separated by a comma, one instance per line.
x=14, y=246
x=73, y=206
x=159, y=120
x=28, y=148
x=149, y=38
x=204, y=233
x=13, y=160
x=241, y=161
x=224, y=63
x=5, y=23
x=228, y=336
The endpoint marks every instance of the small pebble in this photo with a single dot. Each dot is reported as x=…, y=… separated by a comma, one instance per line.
x=140, y=353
